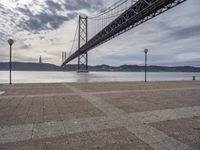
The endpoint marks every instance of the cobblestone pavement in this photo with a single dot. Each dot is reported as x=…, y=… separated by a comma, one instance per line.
x=103, y=116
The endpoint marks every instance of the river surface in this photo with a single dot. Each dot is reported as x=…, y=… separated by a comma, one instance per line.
x=57, y=77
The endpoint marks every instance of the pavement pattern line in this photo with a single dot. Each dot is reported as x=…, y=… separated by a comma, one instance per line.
x=151, y=136
x=166, y=114
x=36, y=95
x=145, y=90
x=102, y=92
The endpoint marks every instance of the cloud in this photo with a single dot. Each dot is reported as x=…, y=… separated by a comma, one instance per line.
x=91, y=5
x=26, y=46
x=186, y=32
x=50, y=17
x=2, y=35
x=53, y=5
x=45, y=21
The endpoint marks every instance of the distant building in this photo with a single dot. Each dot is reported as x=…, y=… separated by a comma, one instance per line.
x=40, y=60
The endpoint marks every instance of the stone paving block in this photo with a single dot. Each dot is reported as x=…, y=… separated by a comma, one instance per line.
x=50, y=118
x=15, y=133
x=4, y=102
x=48, y=129
x=57, y=145
x=15, y=120
x=34, y=120
x=89, y=124
x=76, y=107
x=23, y=146
x=15, y=136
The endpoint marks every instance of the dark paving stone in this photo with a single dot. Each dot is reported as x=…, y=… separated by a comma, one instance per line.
x=111, y=139
x=45, y=109
x=184, y=130
x=156, y=100
x=76, y=107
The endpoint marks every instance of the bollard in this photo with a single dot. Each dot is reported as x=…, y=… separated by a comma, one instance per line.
x=194, y=78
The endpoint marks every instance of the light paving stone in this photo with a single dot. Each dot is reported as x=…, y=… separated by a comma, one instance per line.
x=8, y=137
x=15, y=133
x=48, y=129
x=17, y=128
x=90, y=124
x=36, y=96
x=167, y=114
x=147, y=90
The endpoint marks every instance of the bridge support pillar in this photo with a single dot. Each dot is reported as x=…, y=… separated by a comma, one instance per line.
x=82, y=39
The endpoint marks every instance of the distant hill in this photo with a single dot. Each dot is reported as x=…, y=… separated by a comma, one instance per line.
x=20, y=66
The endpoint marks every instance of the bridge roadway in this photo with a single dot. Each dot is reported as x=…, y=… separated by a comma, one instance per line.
x=103, y=116
x=138, y=13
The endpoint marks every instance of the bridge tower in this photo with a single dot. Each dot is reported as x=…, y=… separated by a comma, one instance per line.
x=82, y=40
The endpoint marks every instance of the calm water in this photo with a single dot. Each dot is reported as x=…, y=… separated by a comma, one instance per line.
x=52, y=77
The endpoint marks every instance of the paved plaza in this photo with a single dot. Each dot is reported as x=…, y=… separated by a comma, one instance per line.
x=100, y=116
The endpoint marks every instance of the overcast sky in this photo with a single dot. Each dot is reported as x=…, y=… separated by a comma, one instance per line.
x=46, y=27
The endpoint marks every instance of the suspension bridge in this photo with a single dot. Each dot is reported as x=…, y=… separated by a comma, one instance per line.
x=117, y=19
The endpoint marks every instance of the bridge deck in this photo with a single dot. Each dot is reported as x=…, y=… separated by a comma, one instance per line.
x=107, y=116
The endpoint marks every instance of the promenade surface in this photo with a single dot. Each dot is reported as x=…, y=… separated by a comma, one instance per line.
x=100, y=116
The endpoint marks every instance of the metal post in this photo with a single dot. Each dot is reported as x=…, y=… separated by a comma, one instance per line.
x=146, y=51
x=10, y=64
x=145, y=67
x=194, y=78
x=10, y=42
